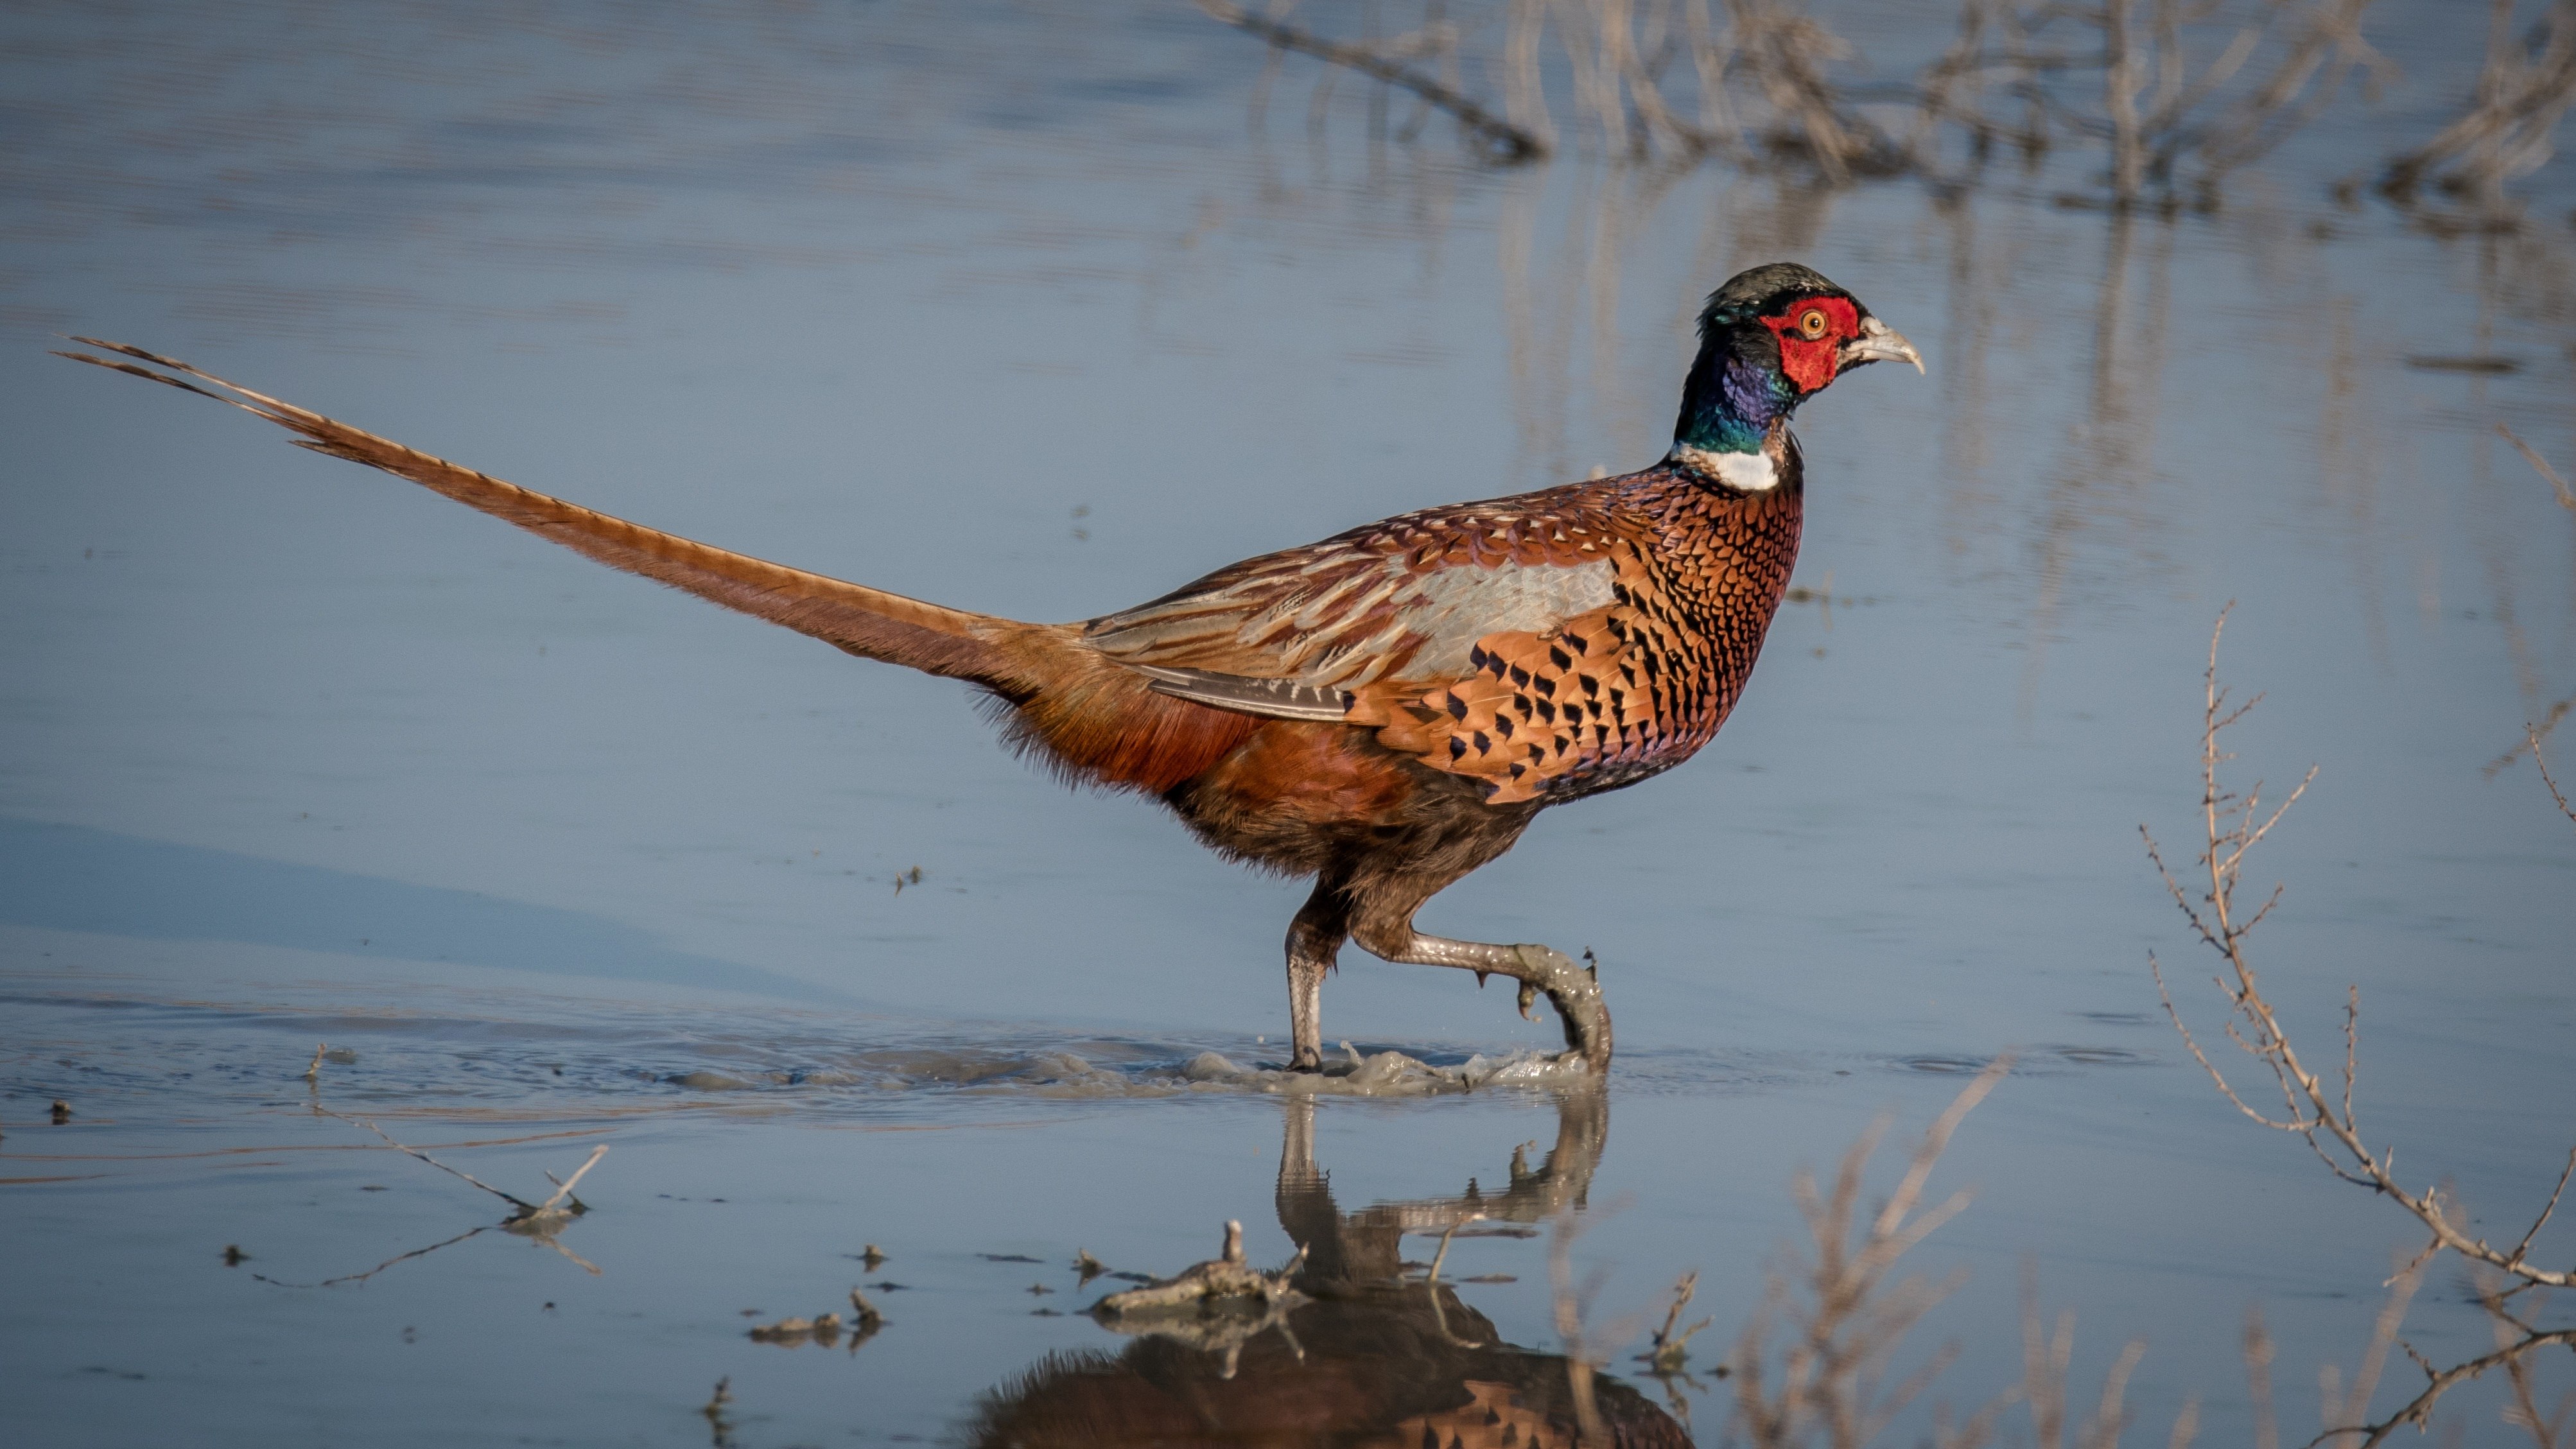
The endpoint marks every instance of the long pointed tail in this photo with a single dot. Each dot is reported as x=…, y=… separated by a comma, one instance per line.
x=867, y=622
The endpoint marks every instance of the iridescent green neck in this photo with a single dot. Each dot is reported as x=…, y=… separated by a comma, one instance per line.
x=1729, y=403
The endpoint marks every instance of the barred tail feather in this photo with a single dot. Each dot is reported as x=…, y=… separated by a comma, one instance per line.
x=870, y=623
x=1090, y=719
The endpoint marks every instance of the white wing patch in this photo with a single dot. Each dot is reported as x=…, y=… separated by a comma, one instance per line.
x=1453, y=608
x=1348, y=632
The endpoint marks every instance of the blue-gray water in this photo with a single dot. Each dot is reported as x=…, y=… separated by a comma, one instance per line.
x=1012, y=307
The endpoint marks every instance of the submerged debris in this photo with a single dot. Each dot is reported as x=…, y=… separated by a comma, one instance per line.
x=1215, y=1307
x=823, y=1328
x=1671, y=1349
x=2483, y=363
x=533, y=1218
x=1230, y=1275
x=536, y=1221
x=714, y=1410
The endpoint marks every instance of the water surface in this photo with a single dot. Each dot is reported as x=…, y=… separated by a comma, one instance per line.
x=1013, y=307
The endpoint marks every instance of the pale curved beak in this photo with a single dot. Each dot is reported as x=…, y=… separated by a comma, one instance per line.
x=1877, y=342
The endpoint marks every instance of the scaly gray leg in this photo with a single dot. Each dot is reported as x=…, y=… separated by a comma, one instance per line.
x=1570, y=988
x=1314, y=940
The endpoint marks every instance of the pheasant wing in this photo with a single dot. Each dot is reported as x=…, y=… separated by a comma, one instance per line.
x=1490, y=639
x=1407, y=597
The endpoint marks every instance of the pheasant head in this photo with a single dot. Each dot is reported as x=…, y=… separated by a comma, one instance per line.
x=1771, y=338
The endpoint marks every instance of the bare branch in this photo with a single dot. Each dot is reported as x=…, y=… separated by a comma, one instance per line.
x=525, y=1207
x=2233, y=825
x=544, y=1217
x=564, y=1188
x=2552, y=1206
x=1843, y=1307
x=2540, y=465
x=2533, y=737
x=1505, y=141
x=2418, y=1412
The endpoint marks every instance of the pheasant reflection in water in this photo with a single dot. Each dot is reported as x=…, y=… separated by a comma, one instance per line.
x=1366, y=1358
x=1385, y=710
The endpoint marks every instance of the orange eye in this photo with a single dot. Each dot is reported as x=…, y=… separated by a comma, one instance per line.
x=1812, y=324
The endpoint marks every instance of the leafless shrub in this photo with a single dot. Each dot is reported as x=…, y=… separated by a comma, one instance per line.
x=1392, y=62
x=2322, y=53
x=2043, y=1380
x=2540, y=465
x=1845, y=1314
x=2533, y=734
x=2180, y=92
x=2509, y=128
x=2232, y=825
x=1573, y=1305
x=1841, y=1310
x=2345, y=1413
x=2532, y=738
x=2170, y=109
x=1800, y=116
x=2320, y=1115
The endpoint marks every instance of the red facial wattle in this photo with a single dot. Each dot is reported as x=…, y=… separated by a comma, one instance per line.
x=1807, y=348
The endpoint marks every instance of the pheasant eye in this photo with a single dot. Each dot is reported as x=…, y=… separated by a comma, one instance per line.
x=1812, y=323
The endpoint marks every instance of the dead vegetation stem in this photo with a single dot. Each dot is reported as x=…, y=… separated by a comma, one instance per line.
x=2179, y=93
x=2321, y=1115
x=1841, y=1312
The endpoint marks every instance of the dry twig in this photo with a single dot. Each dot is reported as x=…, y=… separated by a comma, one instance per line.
x=1572, y=1306
x=1772, y=93
x=552, y=1208
x=1669, y=1349
x=2516, y=1340
x=2043, y=1385
x=2540, y=465
x=2324, y=1118
x=1846, y=1315
x=2509, y=129
x=1503, y=140
x=2532, y=738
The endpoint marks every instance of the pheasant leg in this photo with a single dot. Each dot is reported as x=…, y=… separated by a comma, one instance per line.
x=1314, y=940
x=1571, y=989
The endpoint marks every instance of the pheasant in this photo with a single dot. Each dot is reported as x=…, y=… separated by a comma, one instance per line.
x=1383, y=711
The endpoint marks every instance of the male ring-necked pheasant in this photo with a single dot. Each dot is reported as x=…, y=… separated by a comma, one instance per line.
x=1385, y=710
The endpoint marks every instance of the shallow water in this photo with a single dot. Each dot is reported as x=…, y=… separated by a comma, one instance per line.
x=1011, y=307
